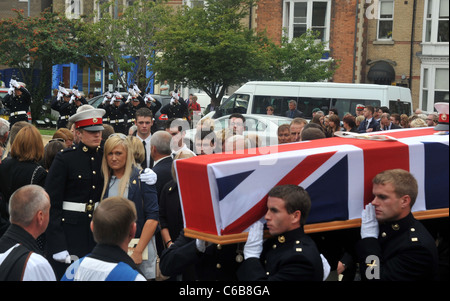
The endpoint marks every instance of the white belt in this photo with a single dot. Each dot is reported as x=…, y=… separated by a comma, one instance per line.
x=64, y=117
x=79, y=207
x=117, y=120
x=18, y=113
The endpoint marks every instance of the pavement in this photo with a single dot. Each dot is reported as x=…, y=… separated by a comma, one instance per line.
x=46, y=139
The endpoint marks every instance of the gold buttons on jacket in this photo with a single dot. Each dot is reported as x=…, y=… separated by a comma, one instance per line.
x=281, y=239
x=396, y=227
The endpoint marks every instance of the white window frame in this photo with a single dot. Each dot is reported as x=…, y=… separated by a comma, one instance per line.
x=391, y=19
x=78, y=9
x=427, y=85
x=433, y=20
x=288, y=17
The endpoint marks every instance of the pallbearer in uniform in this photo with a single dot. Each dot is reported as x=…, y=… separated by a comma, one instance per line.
x=74, y=184
x=18, y=101
x=290, y=255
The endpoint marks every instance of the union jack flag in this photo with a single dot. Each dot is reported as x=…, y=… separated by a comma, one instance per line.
x=225, y=193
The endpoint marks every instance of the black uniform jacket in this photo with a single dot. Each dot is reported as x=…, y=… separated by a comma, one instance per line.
x=292, y=256
x=219, y=262
x=75, y=176
x=405, y=249
x=18, y=104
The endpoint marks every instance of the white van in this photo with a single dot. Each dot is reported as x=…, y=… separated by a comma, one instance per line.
x=254, y=97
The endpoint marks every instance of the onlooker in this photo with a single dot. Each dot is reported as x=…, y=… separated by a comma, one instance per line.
x=113, y=227
x=122, y=178
x=205, y=142
x=270, y=110
x=394, y=245
x=296, y=128
x=237, y=123
x=177, y=129
x=404, y=121
x=194, y=108
x=290, y=255
x=432, y=119
x=349, y=123
x=161, y=154
x=418, y=123
x=4, y=133
x=334, y=125
x=144, y=122
x=64, y=134
x=53, y=147
x=369, y=124
x=386, y=124
x=293, y=112
x=20, y=256
x=164, y=88
x=284, y=134
x=395, y=118
x=312, y=133
x=22, y=168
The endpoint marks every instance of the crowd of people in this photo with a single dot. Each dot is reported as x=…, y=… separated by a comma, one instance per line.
x=100, y=202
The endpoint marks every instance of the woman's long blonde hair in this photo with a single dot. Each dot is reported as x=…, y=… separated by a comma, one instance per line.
x=110, y=144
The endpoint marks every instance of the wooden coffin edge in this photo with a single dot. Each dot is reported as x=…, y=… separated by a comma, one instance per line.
x=312, y=228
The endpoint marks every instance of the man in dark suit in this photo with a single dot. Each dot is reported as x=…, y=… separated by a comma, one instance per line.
x=290, y=255
x=386, y=124
x=161, y=154
x=394, y=245
x=369, y=124
x=293, y=112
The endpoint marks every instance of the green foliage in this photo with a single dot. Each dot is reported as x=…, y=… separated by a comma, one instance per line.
x=300, y=59
x=31, y=43
x=209, y=48
x=125, y=41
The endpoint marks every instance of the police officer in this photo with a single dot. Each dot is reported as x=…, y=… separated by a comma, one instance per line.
x=290, y=255
x=61, y=105
x=74, y=184
x=18, y=101
x=117, y=113
x=394, y=245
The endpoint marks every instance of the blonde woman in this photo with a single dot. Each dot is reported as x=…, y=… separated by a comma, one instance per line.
x=122, y=178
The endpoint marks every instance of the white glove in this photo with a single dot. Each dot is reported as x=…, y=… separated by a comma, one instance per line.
x=135, y=87
x=369, y=223
x=63, y=90
x=149, y=177
x=128, y=99
x=326, y=267
x=62, y=256
x=72, y=98
x=76, y=93
x=253, y=247
x=14, y=83
x=105, y=99
x=201, y=245
x=11, y=91
x=172, y=101
x=59, y=96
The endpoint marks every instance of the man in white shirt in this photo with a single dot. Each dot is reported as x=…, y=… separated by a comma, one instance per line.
x=29, y=210
x=144, y=122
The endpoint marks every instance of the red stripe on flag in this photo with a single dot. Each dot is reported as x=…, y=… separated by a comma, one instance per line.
x=376, y=160
x=297, y=175
x=196, y=196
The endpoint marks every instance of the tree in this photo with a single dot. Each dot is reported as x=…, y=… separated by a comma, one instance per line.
x=210, y=49
x=125, y=41
x=38, y=43
x=301, y=59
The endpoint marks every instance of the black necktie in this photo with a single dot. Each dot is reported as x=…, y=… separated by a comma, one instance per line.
x=144, y=163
